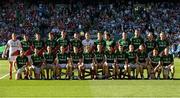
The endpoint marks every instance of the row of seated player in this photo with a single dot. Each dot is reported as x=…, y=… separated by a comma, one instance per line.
x=115, y=65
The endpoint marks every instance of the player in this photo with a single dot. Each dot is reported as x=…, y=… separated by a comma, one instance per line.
x=124, y=41
x=109, y=61
x=76, y=42
x=99, y=60
x=155, y=60
x=132, y=61
x=36, y=64
x=39, y=44
x=150, y=43
x=162, y=43
x=76, y=61
x=109, y=42
x=63, y=41
x=120, y=63
x=52, y=43
x=137, y=40
x=88, y=41
x=62, y=62
x=167, y=64
x=14, y=46
x=21, y=65
x=88, y=61
x=99, y=41
x=143, y=61
x=49, y=62
x=26, y=46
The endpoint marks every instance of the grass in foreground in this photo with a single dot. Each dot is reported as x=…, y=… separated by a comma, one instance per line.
x=88, y=88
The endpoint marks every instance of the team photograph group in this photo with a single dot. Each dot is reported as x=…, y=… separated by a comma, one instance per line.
x=61, y=57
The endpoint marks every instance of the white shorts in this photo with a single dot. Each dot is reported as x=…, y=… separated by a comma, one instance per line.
x=121, y=66
x=75, y=65
x=20, y=70
x=12, y=58
x=110, y=64
x=63, y=66
x=48, y=66
x=87, y=66
x=133, y=66
x=36, y=69
x=166, y=70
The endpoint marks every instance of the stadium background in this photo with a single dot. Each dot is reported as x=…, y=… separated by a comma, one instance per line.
x=113, y=16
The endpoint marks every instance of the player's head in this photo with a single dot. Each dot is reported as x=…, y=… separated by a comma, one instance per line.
x=25, y=37
x=63, y=34
x=75, y=49
x=166, y=51
x=51, y=35
x=62, y=49
x=87, y=35
x=37, y=35
x=76, y=35
x=107, y=36
x=150, y=36
x=36, y=51
x=13, y=36
x=162, y=36
x=137, y=32
x=141, y=47
x=131, y=48
x=155, y=52
x=124, y=35
x=120, y=47
x=21, y=52
x=99, y=47
x=49, y=49
x=99, y=36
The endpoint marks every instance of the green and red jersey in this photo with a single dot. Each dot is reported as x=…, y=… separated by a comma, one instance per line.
x=21, y=61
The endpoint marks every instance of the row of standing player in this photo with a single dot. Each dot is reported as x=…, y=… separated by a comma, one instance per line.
x=105, y=45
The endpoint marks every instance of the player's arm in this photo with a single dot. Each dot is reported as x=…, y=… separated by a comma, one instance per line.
x=126, y=62
x=31, y=61
x=95, y=60
x=19, y=45
x=115, y=61
x=56, y=60
x=5, y=51
x=136, y=60
x=44, y=59
x=105, y=58
x=70, y=59
x=80, y=59
x=159, y=65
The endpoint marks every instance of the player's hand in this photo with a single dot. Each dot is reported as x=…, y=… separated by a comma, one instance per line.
x=4, y=55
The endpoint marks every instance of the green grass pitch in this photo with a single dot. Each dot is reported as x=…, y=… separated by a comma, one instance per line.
x=88, y=88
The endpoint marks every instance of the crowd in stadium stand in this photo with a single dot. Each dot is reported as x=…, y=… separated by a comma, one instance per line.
x=152, y=17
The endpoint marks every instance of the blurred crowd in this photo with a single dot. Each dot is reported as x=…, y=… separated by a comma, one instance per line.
x=21, y=17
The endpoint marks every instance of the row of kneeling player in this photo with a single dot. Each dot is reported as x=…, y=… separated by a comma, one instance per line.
x=118, y=64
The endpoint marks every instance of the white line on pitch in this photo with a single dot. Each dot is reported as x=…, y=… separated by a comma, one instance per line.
x=6, y=75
